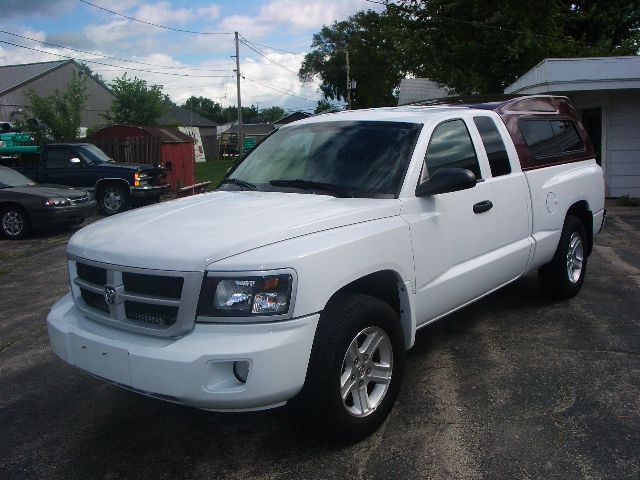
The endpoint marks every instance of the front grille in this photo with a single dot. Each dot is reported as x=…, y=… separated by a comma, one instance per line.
x=131, y=297
x=156, y=285
x=94, y=300
x=145, y=312
x=92, y=274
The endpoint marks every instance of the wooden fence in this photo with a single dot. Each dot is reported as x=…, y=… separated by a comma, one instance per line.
x=131, y=150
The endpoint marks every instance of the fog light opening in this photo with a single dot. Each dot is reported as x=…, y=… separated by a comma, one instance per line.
x=241, y=370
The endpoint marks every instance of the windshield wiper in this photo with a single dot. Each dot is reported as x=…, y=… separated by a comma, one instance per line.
x=310, y=185
x=240, y=183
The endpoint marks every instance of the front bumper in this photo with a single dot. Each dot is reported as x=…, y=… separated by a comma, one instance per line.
x=195, y=370
x=53, y=216
x=149, y=191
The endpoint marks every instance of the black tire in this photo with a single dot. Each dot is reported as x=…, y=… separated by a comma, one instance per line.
x=340, y=323
x=113, y=199
x=14, y=222
x=564, y=275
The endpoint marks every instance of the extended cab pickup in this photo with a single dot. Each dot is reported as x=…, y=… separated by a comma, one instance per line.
x=307, y=274
x=85, y=166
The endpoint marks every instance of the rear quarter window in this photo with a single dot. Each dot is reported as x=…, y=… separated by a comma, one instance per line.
x=548, y=138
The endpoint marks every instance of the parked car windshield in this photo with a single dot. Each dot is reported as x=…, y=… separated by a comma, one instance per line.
x=94, y=155
x=11, y=178
x=356, y=159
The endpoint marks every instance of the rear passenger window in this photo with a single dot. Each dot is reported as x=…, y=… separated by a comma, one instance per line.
x=451, y=146
x=494, y=146
x=550, y=137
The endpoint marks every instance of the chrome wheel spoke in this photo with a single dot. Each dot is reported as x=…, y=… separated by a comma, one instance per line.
x=370, y=345
x=380, y=373
x=575, y=257
x=361, y=399
x=347, y=384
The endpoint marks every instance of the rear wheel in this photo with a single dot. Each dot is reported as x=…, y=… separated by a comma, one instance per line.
x=563, y=276
x=14, y=222
x=113, y=199
x=356, y=367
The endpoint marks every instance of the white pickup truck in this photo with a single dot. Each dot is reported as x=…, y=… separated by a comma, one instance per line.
x=306, y=275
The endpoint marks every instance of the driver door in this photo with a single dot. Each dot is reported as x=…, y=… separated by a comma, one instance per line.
x=61, y=170
x=452, y=241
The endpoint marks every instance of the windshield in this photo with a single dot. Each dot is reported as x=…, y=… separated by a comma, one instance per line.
x=364, y=159
x=94, y=155
x=11, y=178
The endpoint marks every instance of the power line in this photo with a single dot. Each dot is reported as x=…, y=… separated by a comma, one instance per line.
x=264, y=56
x=111, y=65
x=106, y=56
x=269, y=47
x=278, y=90
x=153, y=24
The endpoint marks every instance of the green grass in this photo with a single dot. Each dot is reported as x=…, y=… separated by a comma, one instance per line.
x=212, y=171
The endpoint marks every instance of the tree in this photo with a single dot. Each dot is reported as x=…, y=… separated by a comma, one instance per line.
x=59, y=114
x=271, y=114
x=323, y=105
x=371, y=40
x=205, y=107
x=480, y=46
x=136, y=103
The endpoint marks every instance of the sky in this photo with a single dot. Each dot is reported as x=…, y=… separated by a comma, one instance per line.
x=183, y=63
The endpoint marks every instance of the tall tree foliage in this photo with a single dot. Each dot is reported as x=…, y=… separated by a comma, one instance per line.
x=481, y=46
x=215, y=112
x=136, y=102
x=59, y=114
x=371, y=39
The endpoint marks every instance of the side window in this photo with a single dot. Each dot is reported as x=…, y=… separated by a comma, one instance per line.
x=494, y=146
x=451, y=146
x=60, y=158
x=566, y=136
x=550, y=137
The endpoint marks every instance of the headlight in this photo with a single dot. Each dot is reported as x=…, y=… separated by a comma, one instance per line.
x=56, y=202
x=140, y=179
x=251, y=296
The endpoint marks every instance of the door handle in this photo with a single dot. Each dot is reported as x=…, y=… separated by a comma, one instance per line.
x=483, y=206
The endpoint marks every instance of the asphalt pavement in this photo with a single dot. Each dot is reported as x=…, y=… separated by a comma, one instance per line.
x=513, y=386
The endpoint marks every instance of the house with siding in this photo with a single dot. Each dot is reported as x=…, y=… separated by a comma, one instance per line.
x=606, y=94
x=45, y=78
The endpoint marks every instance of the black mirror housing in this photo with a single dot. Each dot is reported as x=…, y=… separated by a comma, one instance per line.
x=446, y=180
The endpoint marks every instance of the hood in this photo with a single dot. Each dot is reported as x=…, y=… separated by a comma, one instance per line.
x=47, y=191
x=134, y=167
x=190, y=233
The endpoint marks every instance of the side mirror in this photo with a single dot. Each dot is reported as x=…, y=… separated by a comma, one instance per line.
x=446, y=180
x=75, y=161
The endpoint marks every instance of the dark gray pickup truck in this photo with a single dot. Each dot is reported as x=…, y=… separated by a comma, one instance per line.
x=83, y=165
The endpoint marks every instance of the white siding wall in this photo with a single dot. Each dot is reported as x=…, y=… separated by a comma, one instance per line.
x=623, y=144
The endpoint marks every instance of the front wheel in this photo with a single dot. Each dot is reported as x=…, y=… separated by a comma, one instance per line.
x=113, y=199
x=356, y=367
x=563, y=276
x=14, y=223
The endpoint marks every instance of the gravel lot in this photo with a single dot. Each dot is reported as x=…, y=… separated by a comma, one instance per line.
x=514, y=386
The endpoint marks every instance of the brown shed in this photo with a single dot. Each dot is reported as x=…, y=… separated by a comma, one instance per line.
x=151, y=145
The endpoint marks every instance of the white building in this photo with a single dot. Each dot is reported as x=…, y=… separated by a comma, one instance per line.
x=606, y=93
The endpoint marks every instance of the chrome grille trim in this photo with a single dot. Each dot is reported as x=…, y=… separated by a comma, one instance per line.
x=162, y=324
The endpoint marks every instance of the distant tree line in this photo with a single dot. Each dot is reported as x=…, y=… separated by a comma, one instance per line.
x=216, y=112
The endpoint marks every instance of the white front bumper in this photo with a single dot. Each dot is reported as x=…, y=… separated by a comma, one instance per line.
x=196, y=369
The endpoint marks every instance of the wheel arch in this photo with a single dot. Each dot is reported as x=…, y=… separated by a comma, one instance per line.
x=103, y=182
x=581, y=210
x=388, y=286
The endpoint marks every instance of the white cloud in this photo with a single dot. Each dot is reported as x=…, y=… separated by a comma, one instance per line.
x=161, y=13
x=295, y=15
x=210, y=11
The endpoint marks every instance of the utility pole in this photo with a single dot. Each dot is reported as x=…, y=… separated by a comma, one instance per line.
x=346, y=52
x=240, y=133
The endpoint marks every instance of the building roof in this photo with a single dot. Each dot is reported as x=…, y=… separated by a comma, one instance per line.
x=14, y=76
x=165, y=134
x=579, y=74
x=417, y=89
x=253, y=128
x=292, y=117
x=183, y=117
